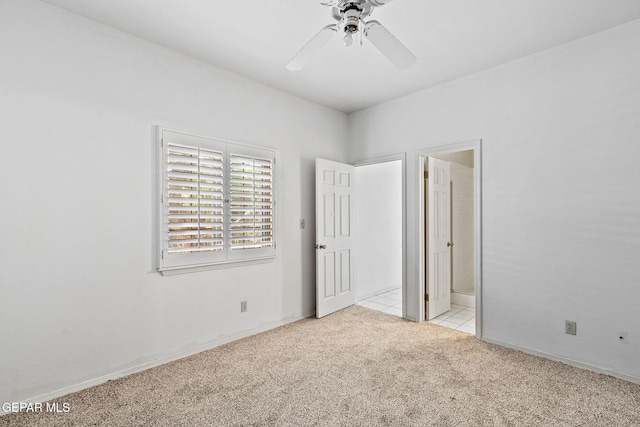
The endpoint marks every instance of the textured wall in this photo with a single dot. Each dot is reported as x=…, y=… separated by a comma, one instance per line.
x=81, y=297
x=560, y=205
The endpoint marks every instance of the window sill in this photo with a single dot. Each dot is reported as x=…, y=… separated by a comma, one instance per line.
x=172, y=271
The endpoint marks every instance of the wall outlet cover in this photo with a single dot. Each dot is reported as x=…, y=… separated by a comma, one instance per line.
x=570, y=327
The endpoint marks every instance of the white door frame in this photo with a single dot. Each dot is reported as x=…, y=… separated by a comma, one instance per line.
x=403, y=159
x=475, y=145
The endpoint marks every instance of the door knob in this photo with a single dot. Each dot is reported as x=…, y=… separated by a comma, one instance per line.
x=321, y=246
x=449, y=244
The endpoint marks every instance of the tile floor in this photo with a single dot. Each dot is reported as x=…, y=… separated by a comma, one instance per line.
x=389, y=302
x=458, y=317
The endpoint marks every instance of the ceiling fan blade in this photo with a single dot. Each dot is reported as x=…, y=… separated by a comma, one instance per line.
x=389, y=46
x=380, y=2
x=312, y=47
x=336, y=3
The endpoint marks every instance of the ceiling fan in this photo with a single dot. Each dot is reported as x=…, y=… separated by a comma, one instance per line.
x=351, y=15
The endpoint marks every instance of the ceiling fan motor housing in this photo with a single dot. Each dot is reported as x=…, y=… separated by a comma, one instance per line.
x=351, y=19
x=361, y=9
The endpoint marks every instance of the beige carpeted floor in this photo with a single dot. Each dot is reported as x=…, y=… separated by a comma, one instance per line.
x=357, y=367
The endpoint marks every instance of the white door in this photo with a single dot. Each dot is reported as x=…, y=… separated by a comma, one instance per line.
x=438, y=237
x=335, y=240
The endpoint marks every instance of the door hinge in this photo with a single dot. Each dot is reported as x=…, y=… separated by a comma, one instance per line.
x=426, y=174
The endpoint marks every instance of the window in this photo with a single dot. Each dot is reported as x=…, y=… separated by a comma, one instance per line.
x=218, y=202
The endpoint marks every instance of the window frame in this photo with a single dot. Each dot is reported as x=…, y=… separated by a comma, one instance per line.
x=175, y=263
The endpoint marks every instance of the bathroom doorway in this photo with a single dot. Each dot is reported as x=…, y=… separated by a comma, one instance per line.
x=458, y=304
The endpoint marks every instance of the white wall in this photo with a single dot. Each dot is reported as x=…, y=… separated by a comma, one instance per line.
x=80, y=295
x=465, y=157
x=462, y=232
x=378, y=228
x=560, y=205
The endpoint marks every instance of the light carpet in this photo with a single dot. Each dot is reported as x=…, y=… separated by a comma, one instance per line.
x=357, y=367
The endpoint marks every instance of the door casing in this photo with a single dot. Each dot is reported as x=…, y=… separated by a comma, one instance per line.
x=476, y=146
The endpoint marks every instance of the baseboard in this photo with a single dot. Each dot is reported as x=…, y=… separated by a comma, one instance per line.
x=463, y=299
x=159, y=361
x=565, y=360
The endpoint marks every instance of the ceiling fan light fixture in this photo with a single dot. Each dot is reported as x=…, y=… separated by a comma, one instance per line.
x=348, y=39
x=350, y=24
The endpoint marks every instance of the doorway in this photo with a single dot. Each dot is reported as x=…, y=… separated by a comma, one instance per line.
x=463, y=296
x=380, y=230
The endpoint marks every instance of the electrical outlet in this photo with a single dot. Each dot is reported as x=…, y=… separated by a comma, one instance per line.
x=570, y=327
x=243, y=306
x=302, y=224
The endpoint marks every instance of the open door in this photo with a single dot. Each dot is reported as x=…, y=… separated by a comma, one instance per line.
x=335, y=240
x=438, y=237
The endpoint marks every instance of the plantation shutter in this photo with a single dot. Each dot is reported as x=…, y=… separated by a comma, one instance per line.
x=218, y=202
x=193, y=200
x=251, y=203
x=195, y=205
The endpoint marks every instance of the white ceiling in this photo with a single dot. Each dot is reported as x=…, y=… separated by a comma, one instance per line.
x=451, y=38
